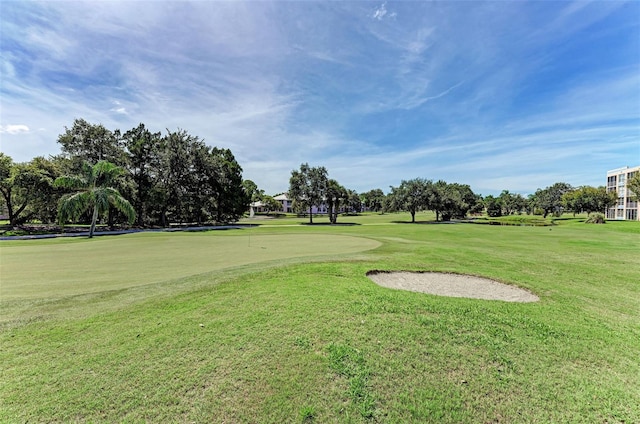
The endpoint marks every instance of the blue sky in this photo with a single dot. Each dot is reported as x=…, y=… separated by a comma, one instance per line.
x=498, y=95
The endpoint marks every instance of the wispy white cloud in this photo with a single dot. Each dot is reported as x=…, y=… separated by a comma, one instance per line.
x=118, y=108
x=381, y=13
x=14, y=129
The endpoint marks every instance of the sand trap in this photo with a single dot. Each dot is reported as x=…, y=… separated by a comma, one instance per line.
x=452, y=285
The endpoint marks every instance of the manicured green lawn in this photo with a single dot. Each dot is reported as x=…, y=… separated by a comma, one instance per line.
x=179, y=334
x=55, y=268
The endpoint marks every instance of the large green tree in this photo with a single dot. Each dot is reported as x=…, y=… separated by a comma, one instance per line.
x=231, y=199
x=192, y=182
x=38, y=176
x=86, y=142
x=27, y=188
x=411, y=196
x=175, y=176
x=308, y=186
x=92, y=190
x=252, y=190
x=452, y=200
x=436, y=197
x=354, y=203
x=143, y=150
x=335, y=196
x=633, y=185
x=550, y=199
x=205, y=185
x=588, y=199
x=493, y=206
x=511, y=203
x=373, y=200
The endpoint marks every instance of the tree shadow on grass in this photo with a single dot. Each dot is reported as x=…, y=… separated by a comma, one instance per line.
x=425, y=222
x=328, y=224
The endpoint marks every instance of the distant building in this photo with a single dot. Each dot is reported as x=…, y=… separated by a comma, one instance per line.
x=256, y=207
x=617, y=182
x=287, y=204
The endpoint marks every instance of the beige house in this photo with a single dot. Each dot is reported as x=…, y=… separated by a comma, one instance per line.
x=625, y=209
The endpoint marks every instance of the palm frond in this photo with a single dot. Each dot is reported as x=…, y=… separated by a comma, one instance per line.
x=123, y=205
x=72, y=206
x=71, y=182
x=101, y=199
x=89, y=175
x=106, y=172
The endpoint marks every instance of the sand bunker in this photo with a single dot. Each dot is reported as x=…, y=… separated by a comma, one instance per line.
x=452, y=285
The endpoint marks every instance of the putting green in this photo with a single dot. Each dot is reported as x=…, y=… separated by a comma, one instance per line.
x=61, y=267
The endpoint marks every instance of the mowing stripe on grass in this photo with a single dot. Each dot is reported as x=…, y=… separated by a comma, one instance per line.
x=55, y=268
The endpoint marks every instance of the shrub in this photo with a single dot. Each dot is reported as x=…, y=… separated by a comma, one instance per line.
x=596, y=218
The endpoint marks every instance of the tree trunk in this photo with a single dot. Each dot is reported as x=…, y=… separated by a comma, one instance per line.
x=14, y=214
x=413, y=216
x=110, y=218
x=140, y=217
x=310, y=215
x=140, y=197
x=94, y=219
x=10, y=210
x=163, y=218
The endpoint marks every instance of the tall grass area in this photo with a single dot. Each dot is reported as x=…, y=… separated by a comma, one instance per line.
x=261, y=332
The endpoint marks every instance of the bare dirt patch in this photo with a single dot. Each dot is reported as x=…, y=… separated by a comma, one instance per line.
x=452, y=285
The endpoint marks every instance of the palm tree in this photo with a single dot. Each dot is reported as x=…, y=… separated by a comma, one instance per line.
x=92, y=190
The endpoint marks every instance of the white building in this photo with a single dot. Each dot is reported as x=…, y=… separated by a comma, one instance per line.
x=617, y=182
x=287, y=204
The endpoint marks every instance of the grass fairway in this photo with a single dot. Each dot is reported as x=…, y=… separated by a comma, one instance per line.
x=307, y=337
x=56, y=268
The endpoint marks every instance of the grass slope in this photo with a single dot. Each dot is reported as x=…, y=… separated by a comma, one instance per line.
x=313, y=340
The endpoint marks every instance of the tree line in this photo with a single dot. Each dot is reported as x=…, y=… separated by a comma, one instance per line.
x=170, y=178
x=177, y=178
x=310, y=186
